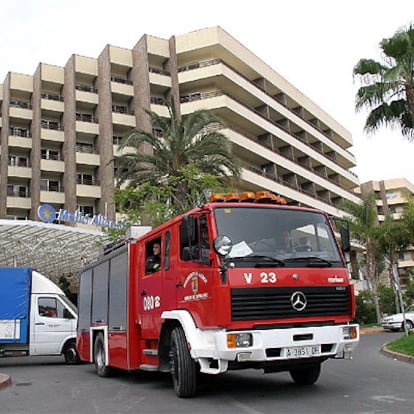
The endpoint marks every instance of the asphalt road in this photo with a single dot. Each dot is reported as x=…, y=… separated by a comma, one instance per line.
x=370, y=383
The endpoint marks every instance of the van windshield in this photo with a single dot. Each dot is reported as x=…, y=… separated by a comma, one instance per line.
x=296, y=238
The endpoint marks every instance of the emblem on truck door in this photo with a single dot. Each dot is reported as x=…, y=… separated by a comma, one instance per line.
x=298, y=301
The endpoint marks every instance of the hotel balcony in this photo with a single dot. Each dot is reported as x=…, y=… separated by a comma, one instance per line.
x=52, y=166
x=20, y=172
x=52, y=197
x=24, y=203
x=122, y=87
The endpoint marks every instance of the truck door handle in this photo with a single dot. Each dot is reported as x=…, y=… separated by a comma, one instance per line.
x=40, y=323
x=143, y=293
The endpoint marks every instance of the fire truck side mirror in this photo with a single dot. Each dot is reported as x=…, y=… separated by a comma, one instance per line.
x=187, y=229
x=345, y=238
x=222, y=245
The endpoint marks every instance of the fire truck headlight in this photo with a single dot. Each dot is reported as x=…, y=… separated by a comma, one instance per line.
x=222, y=245
x=349, y=332
x=239, y=340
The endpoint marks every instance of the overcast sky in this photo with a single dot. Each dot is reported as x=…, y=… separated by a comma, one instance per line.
x=314, y=44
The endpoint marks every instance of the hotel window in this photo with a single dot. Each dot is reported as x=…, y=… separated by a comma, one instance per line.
x=86, y=210
x=49, y=185
x=48, y=154
x=87, y=179
x=17, y=161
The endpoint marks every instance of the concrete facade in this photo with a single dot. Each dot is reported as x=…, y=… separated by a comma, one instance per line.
x=60, y=128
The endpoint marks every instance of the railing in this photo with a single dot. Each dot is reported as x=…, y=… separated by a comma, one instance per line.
x=86, y=148
x=19, y=132
x=19, y=104
x=86, y=88
x=200, y=96
x=9, y=217
x=86, y=118
x=310, y=169
x=274, y=97
x=48, y=156
x=196, y=96
x=52, y=188
x=87, y=180
x=285, y=183
x=120, y=109
x=121, y=80
x=203, y=64
x=18, y=162
x=52, y=96
x=159, y=71
x=46, y=124
x=158, y=101
x=116, y=139
x=18, y=193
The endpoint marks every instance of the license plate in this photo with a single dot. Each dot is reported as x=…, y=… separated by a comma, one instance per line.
x=303, y=351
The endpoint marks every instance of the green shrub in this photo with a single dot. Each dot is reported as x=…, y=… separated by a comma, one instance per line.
x=386, y=299
x=365, y=308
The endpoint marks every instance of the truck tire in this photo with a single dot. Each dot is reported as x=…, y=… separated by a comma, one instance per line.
x=183, y=367
x=307, y=375
x=71, y=354
x=101, y=368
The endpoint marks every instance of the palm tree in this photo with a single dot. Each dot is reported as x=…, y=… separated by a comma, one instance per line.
x=393, y=238
x=176, y=145
x=388, y=86
x=363, y=228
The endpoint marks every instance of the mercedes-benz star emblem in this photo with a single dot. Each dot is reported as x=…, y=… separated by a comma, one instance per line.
x=298, y=301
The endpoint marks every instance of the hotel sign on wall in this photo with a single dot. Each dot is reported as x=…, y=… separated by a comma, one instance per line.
x=48, y=214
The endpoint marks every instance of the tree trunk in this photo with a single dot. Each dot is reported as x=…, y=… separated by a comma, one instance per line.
x=372, y=276
x=397, y=286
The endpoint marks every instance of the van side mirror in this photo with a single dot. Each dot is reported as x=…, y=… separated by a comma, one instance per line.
x=345, y=238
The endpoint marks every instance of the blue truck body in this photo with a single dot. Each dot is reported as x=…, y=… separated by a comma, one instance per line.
x=15, y=289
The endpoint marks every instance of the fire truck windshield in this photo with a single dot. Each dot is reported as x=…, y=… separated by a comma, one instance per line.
x=291, y=237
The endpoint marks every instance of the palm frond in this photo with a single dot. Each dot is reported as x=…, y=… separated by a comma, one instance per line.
x=387, y=89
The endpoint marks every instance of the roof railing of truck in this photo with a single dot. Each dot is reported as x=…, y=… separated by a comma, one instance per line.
x=248, y=197
x=113, y=245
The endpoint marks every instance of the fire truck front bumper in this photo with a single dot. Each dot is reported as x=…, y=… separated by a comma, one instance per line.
x=272, y=345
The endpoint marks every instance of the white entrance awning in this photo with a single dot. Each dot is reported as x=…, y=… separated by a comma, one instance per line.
x=51, y=249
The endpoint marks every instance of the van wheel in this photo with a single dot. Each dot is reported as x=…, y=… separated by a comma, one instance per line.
x=71, y=354
x=306, y=375
x=101, y=368
x=183, y=367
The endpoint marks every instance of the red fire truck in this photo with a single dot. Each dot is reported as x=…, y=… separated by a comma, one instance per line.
x=241, y=283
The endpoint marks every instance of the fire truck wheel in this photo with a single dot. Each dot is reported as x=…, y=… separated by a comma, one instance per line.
x=306, y=375
x=71, y=354
x=99, y=357
x=183, y=367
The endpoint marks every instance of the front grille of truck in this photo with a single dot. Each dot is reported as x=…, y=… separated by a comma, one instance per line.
x=275, y=302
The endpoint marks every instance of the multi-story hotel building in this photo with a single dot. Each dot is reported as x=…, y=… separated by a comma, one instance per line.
x=60, y=126
x=391, y=196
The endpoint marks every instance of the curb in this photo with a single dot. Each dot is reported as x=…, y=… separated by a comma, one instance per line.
x=5, y=381
x=365, y=331
x=396, y=355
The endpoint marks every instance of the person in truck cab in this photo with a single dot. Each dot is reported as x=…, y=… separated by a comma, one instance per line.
x=153, y=262
x=304, y=245
x=283, y=243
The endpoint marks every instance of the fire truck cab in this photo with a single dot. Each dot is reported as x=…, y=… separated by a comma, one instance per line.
x=240, y=284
